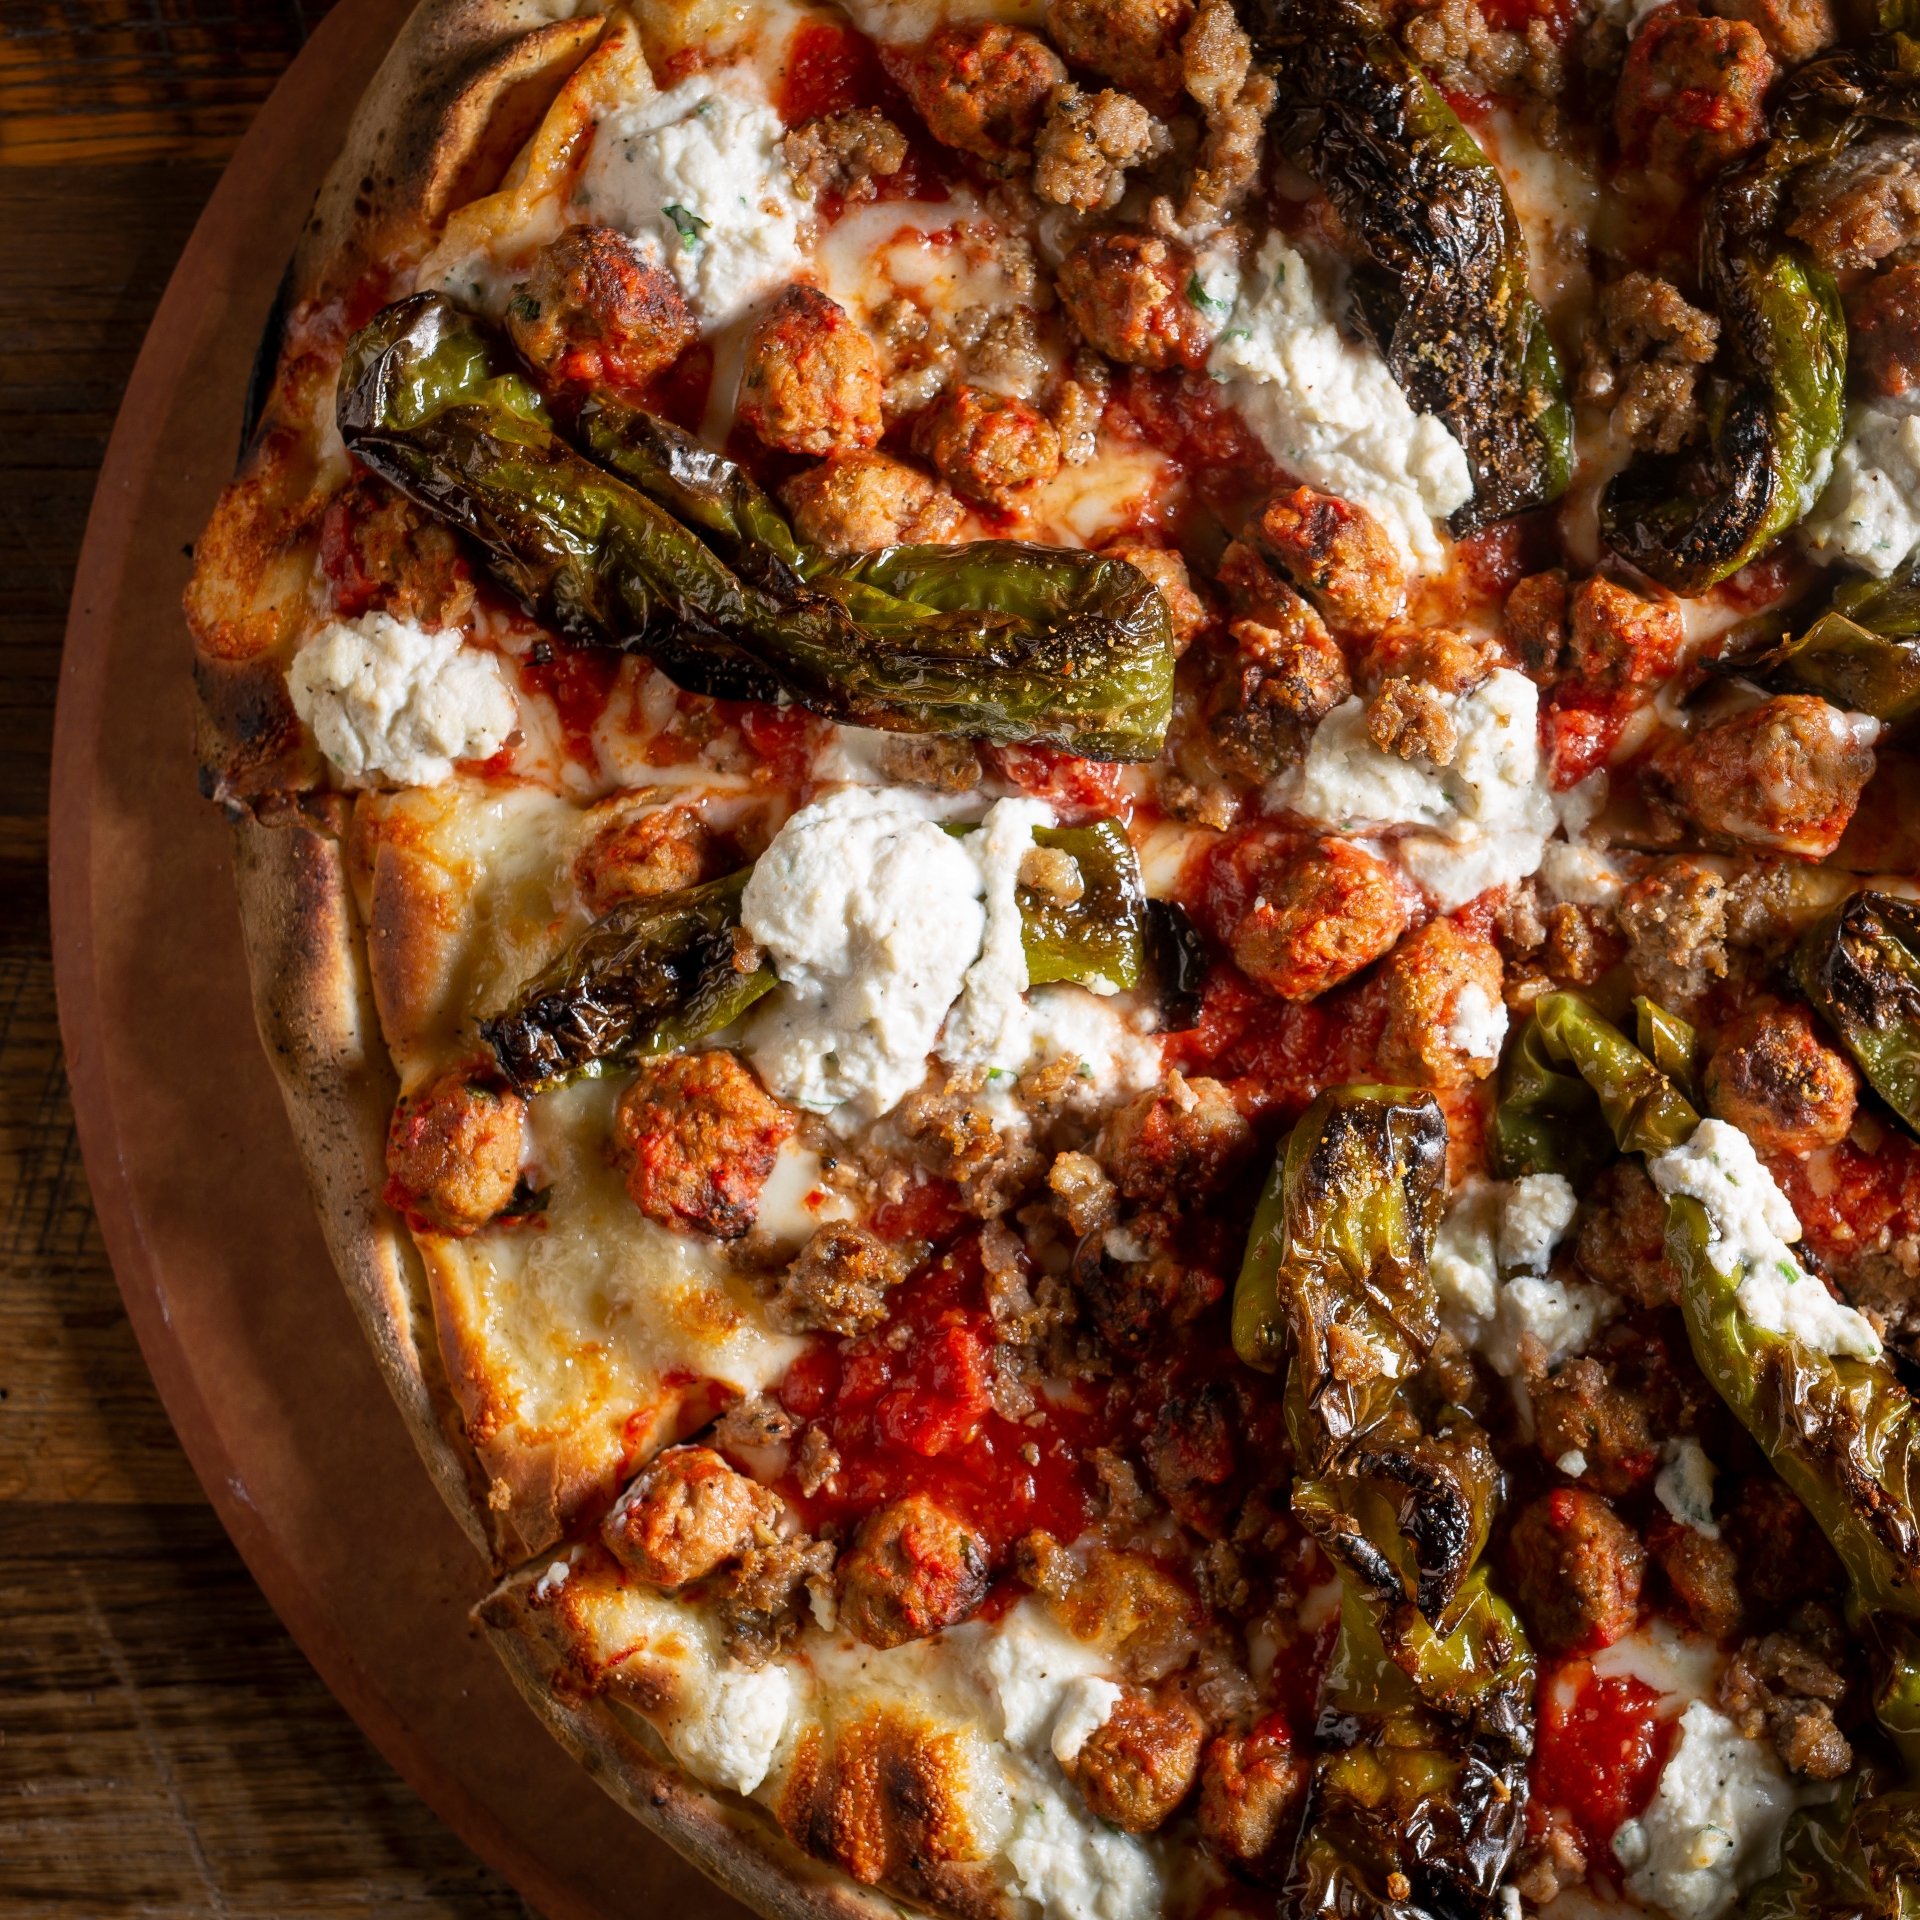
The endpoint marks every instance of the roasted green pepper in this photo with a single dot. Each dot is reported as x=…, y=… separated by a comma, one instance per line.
x=999, y=640
x=1442, y=286
x=1667, y=1040
x=1856, y=1858
x=1860, y=966
x=1101, y=935
x=1548, y=1119
x=654, y=974
x=1862, y=651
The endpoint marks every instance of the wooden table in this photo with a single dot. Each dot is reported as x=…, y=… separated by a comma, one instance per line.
x=164, y=1747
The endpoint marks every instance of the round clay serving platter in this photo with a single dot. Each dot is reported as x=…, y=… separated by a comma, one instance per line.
x=201, y=1199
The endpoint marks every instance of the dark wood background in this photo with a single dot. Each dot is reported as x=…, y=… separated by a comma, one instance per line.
x=164, y=1747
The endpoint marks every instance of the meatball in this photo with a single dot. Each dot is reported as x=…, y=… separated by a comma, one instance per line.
x=988, y=448
x=1133, y=43
x=1692, y=92
x=1536, y=623
x=1598, y=1409
x=1281, y=681
x=1168, y=571
x=1774, y=1080
x=1445, y=1015
x=698, y=1135
x=1675, y=921
x=933, y=760
x=1338, y=553
x=1408, y=719
x=381, y=552
x=1136, y=1767
x=593, y=312
x=1642, y=357
x=1442, y=658
x=860, y=502
x=1702, y=1573
x=844, y=153
x=1321, y=916
x=1784, y=776
x=453, y=1151
x=1883, y=327
x=636, y=855
x=1622, y=1240
x=1250, y=1787
x=812, y=379
x=914, y=1569
x=1621, y=640
x=1863, y=204
x=981, y=87
x=686, y=1514
x=1127, y=294
x=1086, y=145
x=1136, y=1289
x=839, y=1283
x=1577, y=1571
x=1794, y=30
x=1178, y=1143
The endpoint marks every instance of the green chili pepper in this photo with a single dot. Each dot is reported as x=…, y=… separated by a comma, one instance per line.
x=1856, y=1858
x=999, y=640
x=1667, y=1040
x=1100, y=936
x=1442, y=286
x=1860, y=966
x=1645, y=1110
x=1547, y=1120
x=1862, y=652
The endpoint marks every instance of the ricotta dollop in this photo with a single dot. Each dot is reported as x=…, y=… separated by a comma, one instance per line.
x=695, y=176
x=387, y=699
x=1328, y=409
x=1869, y=512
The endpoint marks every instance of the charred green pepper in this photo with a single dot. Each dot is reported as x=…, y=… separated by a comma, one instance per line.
x=1856, y=1858
x=1101, y=936
x=999, y=640
x=1860, y=966
x=1442, y=286
x=1862, y=651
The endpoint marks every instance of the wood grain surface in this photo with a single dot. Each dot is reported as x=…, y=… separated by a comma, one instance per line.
x=165, y=1749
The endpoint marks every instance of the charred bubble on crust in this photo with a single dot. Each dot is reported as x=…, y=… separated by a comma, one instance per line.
x=914, y=1569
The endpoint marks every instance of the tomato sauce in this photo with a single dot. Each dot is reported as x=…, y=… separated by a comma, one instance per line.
x=579, y=681
x=1599, y=1748
x=1848, y=1200
x=1080, y=790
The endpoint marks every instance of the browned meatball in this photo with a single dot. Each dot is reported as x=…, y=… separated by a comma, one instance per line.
x=981, y=87
x=1087, y=143
x=1181, y=1141
x=1133, y=43
x=914, y=1569
x=1444, y=1008
x=1621, y=640
x=1407, y=718
x=812, y=379
x=1675, y=920
x=1250, y=1786
x=453, y=1151
x=1775, y=1081
x=1593, y=1408
x=1338, y=553
x=1136, y=1288
x=1785, y=776
x=1883, y=326
x=382, y=552
x=685, y=1515
x=1577, y=1571
x=636, y=856
x=698, y=1135
x=1536, y=623
x=1280, y=682
x=1134, y=1770
x=844, y=153
x=860, y=502
x=1443, y=658
x=592, y=311
x=1321, y=916
x=1702, y=1573
x=1794, y=30
x=1642, y=357
x=1863, y=205
x=989, y=448
x=1127, y=294
x=839, y=1283
x=1692, y=92
x=1622, y=1242
x=1168, y=571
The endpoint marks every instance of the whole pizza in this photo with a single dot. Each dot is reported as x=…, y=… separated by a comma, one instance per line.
x=1076, y=836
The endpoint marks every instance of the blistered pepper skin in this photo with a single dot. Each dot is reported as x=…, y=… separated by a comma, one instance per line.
x=1860, y=966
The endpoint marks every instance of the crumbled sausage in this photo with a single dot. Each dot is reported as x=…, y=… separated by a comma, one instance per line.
x=1621, y=640
x=1863, y=204
x=839, y=1282
x=1691, y=94
x=1536, y=623
x=1622, y=1241
x=1128, y=1601
x=1552, y=1857
x=1461, y=48
x=980, y=87
x=935, y=760
x=686, y=1514
x=1086, y=144
x=1001, y=350
x=914, y=1569
x=1883, y=332
x=817, y=1461
x=698, y=1135
x=1085, y=1195
x=1784, y=1556
x=1615, y=1410
x=1137, y=1767
x=1406, y=717
x=1236, y=98
x=1078, y=409
x=636, y=855
x=1251, y=1785
x=1442, y=658
x=1165, y=568
x=760, y=1611
x=1642, y=357
x=1128, y=294
x=1133, y=43
x=1190, y=1453
x=1137, y=1289
x=1775, y=1081
x=1339, y=555
x=1786, y=1685
x=1703, y=1575
x=1320, y=917
x=811, y=383
x=990, y=449
x=1177, y=1143
x=1577, y=1571
x=592, y=310
x=960, y=1140
x=1794, y=30
x=1443, y=991
x=844, y=153
x=381, y=552
x=1675, y=921
x=1283, y=679
x=860, y=502
x=1785, y=776
x=453, y=1151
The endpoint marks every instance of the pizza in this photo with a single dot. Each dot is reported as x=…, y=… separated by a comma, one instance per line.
x=1078, y=843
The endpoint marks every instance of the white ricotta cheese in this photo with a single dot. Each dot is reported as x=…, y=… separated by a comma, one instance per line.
x=1073, y=1869
x=1573, y=1463
x=1752, y=1226
x=730, y=1742
x=1464, y=1265
x=1328, y=410
x=1085, y=1707
x=386, y=699
x=991, y=1026
x=1029, y=1663
x=1870, y=510
x=696, y=177
x=1535, y=1218
x=1478, y=1027
x=1714, y=1824
x=1115, y=1059
x=1563, y=1315
x=871, y=917
x=1684, y=1486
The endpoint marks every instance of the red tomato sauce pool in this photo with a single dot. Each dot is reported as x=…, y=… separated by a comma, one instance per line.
x=1600, y=1747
